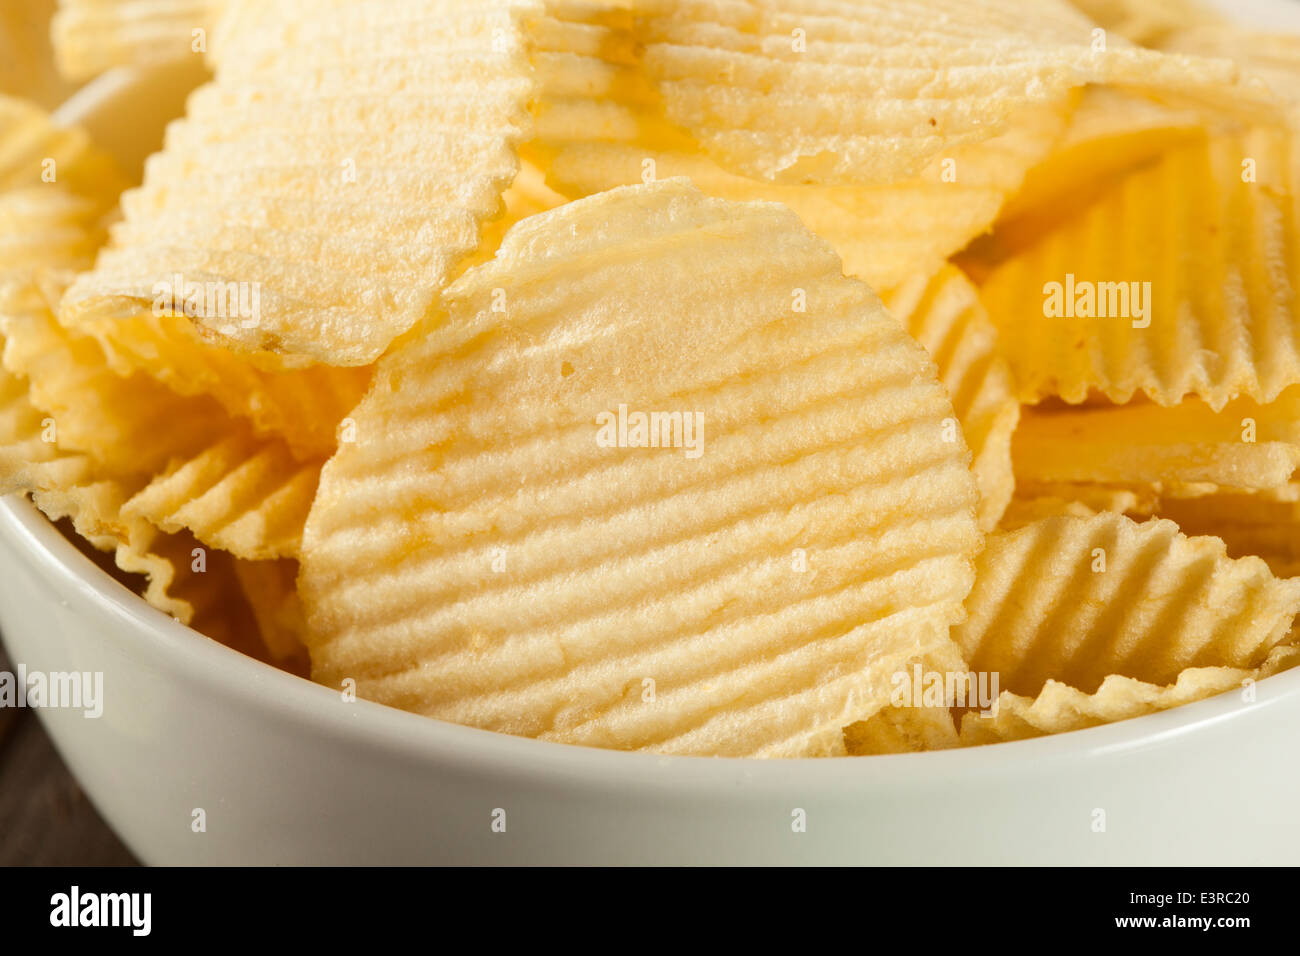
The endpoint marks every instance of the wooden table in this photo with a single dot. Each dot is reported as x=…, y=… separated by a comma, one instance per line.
x=45, y=819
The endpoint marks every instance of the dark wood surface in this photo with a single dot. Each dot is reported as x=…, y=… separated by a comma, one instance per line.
x=45, y=819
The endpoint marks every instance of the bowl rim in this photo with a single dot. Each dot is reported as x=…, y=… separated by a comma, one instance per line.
x=296, y=701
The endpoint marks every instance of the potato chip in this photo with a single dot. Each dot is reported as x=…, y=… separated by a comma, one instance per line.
x=317, y=195
x=1185, y=450
x=26, y=57
x=1034, y=501
x=911, y=723
x=44, y=225
x=1147, y=293
x=1271, y=56
x=1110, y=134
x=127, y=425
x=1058, y=708
x=1266, y=524
x=527, y=196
x=812, y=92
x=36, y=151
x=91, y=36
x=601, y=124
x=242, y=495
x=1076, y=600
x=139, y=548
x=198, y=469
x=1149, y=22
x=270, y=588
x=306, y=407
x=944, y=314
x=508, y=545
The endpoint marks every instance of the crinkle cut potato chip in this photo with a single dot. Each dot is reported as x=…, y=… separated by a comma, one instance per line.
x=504, y=546
x=1149, y=22
x=195, y=468
x=36, y=151
x=601, y=124
x=1147, y=293
x=91, y=36
x=912, y=722
x=320, y=194
x=1266, y=524
x=66, y=485
x=1272, y=57
x=1034, y=501
x=1186, y=450
x=1111, y=133
x=944, y=314
x=270, y=588
x=26, y=57
x=1076, y=600
x=777, y=89
x=1059, y=708
x=306, y=407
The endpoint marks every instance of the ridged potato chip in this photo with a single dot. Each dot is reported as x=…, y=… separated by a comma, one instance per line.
x=1076, y=600
x=197, y=468
x=166, y=561
x=36, y=151
x=944, y=314
x=270, y=588
x=1149, y=22
x=1266, y=524
x=26, y=56
x=507, y=545
x=1059, y=708
x=90, y=36
x=601, y=124
x=1185, y=450
x=1110, y=134
x=811, y=91
x=1034, y=501
x=910, y=723
x=1147, y=293
x=321, y=191
x=1272, y=57
x=243, y=495
x=306, y=407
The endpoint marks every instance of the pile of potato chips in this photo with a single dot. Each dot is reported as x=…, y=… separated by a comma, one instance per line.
x=723, y=377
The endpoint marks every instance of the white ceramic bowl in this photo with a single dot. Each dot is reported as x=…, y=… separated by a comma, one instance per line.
x=287, y=772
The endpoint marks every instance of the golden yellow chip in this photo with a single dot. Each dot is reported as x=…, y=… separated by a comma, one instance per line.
x=26, y=56
x=920, y=712
x=243, y=495
x=318, y=194
x=1110, y=134
x=601, y=124
x=944, y=314
x=1034, y=501
x=270, y=588
x=1185, y=450
x=662, y=478
x=128, y=425
x=804, y=91
x=1266, y=524
x=1146, y=292
x=1150, y=22
x=1272, y=57
x=1076, y=600
x=196, y=467
x=36, y=151
x=91, y=36
x=306, y=407
x=1058, y=708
